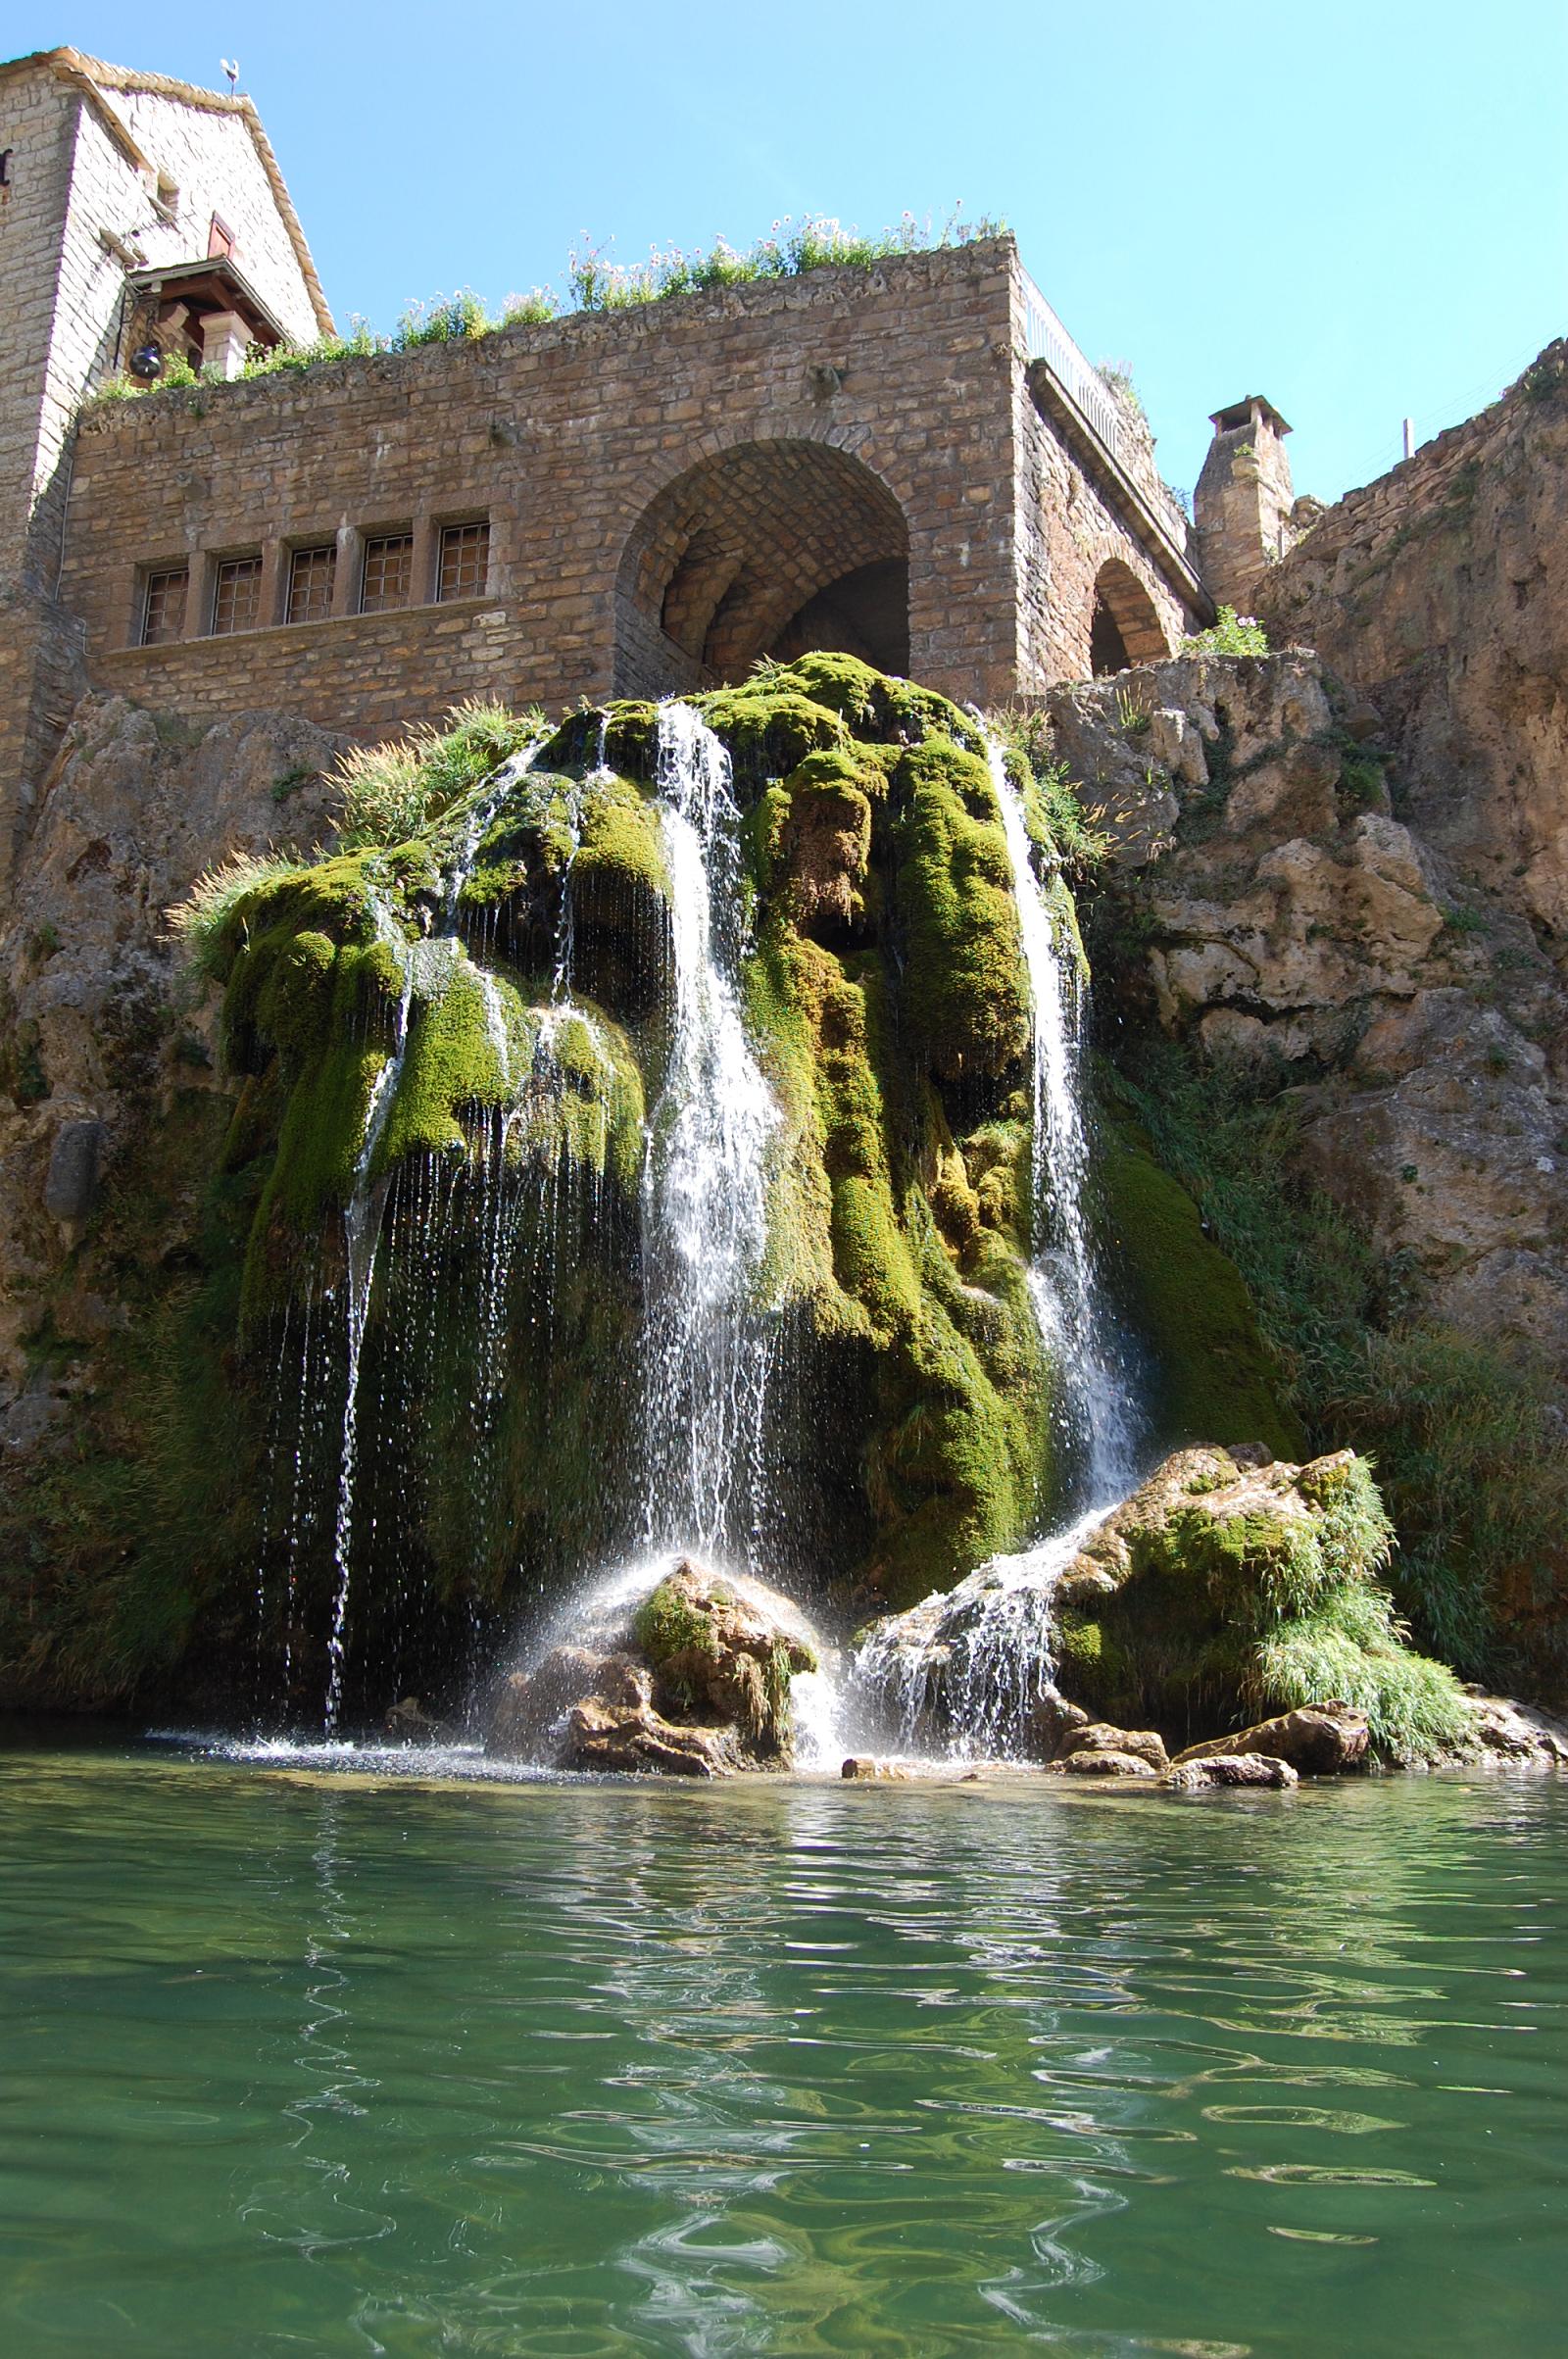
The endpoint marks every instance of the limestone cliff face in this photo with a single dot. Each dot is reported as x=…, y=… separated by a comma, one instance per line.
x=1440, y=593
x=1361, y=1082
x=1285, y=917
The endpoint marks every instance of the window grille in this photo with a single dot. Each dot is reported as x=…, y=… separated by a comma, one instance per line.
x=162, y=613
x=311, y=575
x=465, y=561
x=388, y=578
x=236, y=595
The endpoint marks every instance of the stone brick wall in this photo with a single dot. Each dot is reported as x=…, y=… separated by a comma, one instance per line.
x=565, y=436
x=89, y=146
x=36, y=124
x=664, y=487
x=210, y=151
x=1074, y=521
x=1245, y=504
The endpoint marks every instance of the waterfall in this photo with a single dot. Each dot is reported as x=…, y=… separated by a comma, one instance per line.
x=362, y=1235
x=704, y=1187
x=425, y=969
x=1100, y=1420
x=970, y=1665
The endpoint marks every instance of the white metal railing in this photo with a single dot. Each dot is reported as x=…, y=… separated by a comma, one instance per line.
x=1089, y=395
x=1084, y=387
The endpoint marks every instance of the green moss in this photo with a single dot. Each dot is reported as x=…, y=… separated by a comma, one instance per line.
x=870, y=701
x=770, y=730
x=964, y=995
x=670, y=1622
x=583, y=1109
x=294, y=1004
x=1212, y=1376
x=620, y=737
x=1234, y=1611
x=955, y=1449
x=619, y=861
x=462, y=1040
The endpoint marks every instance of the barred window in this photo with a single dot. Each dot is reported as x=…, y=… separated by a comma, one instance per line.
x=236, y=595
x=163, y=607
x=465, y=561
x=310, y=575
x=388, y=577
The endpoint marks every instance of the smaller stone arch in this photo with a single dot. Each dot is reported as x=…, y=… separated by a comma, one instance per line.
x=1124, y=626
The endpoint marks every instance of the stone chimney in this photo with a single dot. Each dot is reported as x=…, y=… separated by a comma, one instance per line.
x=1242, y=509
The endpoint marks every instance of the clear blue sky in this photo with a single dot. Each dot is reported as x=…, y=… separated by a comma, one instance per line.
x=1357, y=208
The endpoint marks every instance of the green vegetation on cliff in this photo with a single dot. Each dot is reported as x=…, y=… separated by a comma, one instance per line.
x=1255, y=1592
x=885, y=990
x=1468, y=1444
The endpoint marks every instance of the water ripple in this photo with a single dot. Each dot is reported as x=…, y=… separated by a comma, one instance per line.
x=346, y=2062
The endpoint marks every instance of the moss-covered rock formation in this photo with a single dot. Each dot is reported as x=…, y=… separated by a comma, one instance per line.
x=1223, y=1592
x=483, y=1006
x=447, y=1036
x=692, y=1678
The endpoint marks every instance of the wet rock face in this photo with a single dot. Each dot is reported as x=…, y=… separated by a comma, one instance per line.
x=693, y=1679
x=1516, y=1735
x=1320, y=1740
x=1200, y=1770
x=1297, y=903
x=96, y=1043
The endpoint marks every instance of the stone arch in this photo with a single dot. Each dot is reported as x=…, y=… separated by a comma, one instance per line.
x=1124, y=626
x=770, y=547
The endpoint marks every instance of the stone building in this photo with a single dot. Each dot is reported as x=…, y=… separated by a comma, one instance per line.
x=912, y=461
x=133, y=211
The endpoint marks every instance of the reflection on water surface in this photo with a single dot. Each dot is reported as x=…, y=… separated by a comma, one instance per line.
x=301, y=2063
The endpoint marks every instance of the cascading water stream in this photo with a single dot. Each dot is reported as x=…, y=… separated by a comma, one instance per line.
x=1101, y=1420
x=424, y=967
x=704, y=1186
x=975, y=1662
x=706, y=1335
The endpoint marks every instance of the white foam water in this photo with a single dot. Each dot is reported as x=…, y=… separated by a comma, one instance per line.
x=964, y=1671
x=704, y=1190
x=1101, y=1411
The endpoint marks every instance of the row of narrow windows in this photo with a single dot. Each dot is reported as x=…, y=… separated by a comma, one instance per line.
x=386, y=580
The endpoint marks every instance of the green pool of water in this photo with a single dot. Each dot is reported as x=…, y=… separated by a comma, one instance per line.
x=309, y=2065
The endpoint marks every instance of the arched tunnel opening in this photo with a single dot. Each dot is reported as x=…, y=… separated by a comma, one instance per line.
x=773, y=548
x=1124, y=626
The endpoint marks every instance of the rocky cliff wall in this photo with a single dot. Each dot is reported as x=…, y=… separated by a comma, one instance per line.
x=1352, y=1051
x=1440, y=593
x=100, y=1044
x=1367, y=1066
